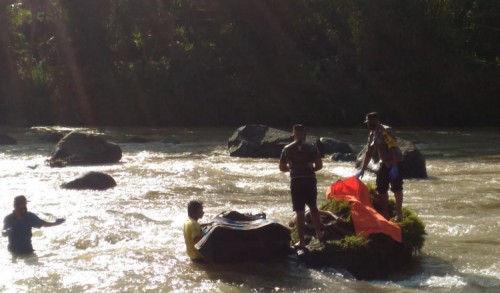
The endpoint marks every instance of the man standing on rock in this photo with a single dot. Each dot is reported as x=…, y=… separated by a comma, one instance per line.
x=17, y=226
x=302, y=160
x=382, y=140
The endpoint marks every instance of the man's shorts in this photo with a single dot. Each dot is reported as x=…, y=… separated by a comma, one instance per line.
x=384, y=179
x=304, y=192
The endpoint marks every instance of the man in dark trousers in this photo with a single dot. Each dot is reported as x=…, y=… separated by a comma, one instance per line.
x=382, y=140
x=302, y=160
x=17, y=226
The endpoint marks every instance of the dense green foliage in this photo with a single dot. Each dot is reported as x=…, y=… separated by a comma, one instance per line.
x=232, y=62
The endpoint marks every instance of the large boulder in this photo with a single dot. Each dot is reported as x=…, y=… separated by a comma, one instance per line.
x=258, y=141
x=49, y=134
x=91, y=180
x=413, y=165
x=7, y=140
x=327, y=145
x=374, y=256
x=343, y=157
x=340, y=151
x=378, y=258
x=78, y=148
x=261, y=141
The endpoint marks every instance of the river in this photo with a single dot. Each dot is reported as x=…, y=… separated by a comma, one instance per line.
x=129, y=238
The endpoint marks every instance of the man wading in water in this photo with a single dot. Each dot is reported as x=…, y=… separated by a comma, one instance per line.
x=17, y=226
x=302, y=160
x=193, y=231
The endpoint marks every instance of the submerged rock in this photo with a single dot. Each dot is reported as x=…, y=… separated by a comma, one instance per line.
x=172, y=139
x=7, y=140
x=135, y=139
x=91, y=180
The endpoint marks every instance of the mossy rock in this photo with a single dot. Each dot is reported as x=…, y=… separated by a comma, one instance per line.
x=373, y=257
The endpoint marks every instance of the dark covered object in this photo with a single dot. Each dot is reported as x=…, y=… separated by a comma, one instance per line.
x=235, y=237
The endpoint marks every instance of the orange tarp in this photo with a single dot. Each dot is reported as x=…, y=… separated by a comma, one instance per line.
x=365, y=218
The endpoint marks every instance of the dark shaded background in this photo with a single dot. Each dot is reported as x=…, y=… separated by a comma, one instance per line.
x=232, y=62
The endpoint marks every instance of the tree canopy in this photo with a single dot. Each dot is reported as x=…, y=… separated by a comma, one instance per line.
x=233, y=62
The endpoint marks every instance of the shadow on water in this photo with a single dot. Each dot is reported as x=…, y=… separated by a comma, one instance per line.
x=436, y=274
x=29, y=259
x=286, y=275
x=428, y=273
x=425, y=272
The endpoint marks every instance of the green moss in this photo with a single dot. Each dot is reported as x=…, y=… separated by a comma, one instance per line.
x=339, y=208
x=366, y=257
x=413, y=230
x=352, y=243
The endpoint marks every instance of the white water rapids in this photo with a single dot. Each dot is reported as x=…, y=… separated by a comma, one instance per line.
x=129, y=238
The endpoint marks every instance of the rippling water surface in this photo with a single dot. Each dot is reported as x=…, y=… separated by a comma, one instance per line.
x=129, y=239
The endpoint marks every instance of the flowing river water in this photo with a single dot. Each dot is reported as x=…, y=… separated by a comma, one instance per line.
x=129, y=238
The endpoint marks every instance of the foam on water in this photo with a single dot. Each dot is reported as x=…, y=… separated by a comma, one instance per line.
x=129, y=238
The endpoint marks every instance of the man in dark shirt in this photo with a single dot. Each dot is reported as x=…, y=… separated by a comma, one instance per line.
x=302, y=160
x=17, y=226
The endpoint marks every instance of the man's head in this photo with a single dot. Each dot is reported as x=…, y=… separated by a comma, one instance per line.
x=195, y=209
x=372, y=120
x=299, y=132
x=20, y=203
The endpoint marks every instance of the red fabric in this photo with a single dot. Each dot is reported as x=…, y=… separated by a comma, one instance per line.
x=350, y=186
x=365, y=218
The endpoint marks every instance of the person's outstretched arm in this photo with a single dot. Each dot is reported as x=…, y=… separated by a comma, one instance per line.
x=56, y=223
